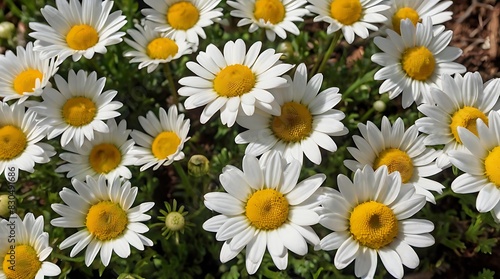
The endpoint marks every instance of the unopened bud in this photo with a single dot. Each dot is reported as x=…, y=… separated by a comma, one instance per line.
x=4, y=206
x=286, y=48
x=379, y=106
x=174, y=221
x=7, y=30
x=198, y=165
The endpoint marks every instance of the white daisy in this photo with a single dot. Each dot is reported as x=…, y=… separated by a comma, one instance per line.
x=482, y=170
x=77, y=29
x=20, y=134
x=264, y=207
x=165, y=138
x=459, y=103
x=77, y=108
x=153, y=48
x=306, y=121
x=413, y=61
x=275, y=16
x=101, y=211
x=25, y=247
x=107, y=154
x=234, y=82
x=183, y=20
x=352, y=16
x=370, y=216
x=24, y=74
x=398, y=150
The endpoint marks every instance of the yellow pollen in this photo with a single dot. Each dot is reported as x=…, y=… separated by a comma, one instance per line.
x=395, y=160
x=105, y=157
x=79, y=111
x=466, y=117
x=418, y=63
x=26, y=81
x=162, y=48
x=294, y=124
x=165, y=144
x=12, y=142
x=267, y=209
x=106, y=220
x=182, y=15
x=404, y=13
x=82, y=37
x=234, y=80
x=21, y=262
x=373, y=224
x=492, y=166
x=271, y=11
x=346, y=12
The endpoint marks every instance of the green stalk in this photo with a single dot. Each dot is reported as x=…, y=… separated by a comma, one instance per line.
x=168, y=74
x=318, y=68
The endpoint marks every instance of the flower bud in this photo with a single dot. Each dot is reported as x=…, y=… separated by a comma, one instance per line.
x=379, y=106
x=4, y=206
x=174, y=221
x=7, y=30
x=198, y=165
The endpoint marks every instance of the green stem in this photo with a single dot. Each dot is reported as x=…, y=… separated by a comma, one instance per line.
x=318, y=68
x=171, y=84
x=367, y=115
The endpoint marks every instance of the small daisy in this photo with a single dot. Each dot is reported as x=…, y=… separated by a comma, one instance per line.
x=101, y=211
x=459, y=103
x=183, y=20
x=153, y=48
x=398, y=150
x=275, y=16
x=416, y=10
x=77, y=29
x=264, y=207
x=413, y=61
x=307, y=120
x=77, y=108
x=369, y=216
x=20, y=134
x=165, y=138
x=26, y=250
x=352, y=16
x=107, y=154
x=234, y=82
x=24, y=74
x=482, y=170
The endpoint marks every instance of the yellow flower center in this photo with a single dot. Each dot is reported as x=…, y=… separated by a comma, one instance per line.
x=162, y=48
x=294, y=124
x=492, y=166
x=267, y=209
x=373, y=224
x=21, y=262
x=12, y=142
x=395, y=160
x=182, y=15
x=234, y=80
x=165, y=144
x=106, y=220
x=271, y=11
x=418, y=63
x=346, y=12
x=26, y=81
x=82, y=37
x=404, y=13
x=79, y=111
x=466, y=117
x=105, y=157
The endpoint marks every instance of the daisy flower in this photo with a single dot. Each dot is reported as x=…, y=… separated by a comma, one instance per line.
x=413, y=61
x=77, y=108
x=352, y=16
x=275, y=16
x=24, y=74
x=398, y=150
x=370, y=217
x=165, y=138
x=106, y=154
x=183, y=20
x=153, y=48
x=306, y=121
x=264, y=207
x=459, y=103
x=77, y=29
x=233, y=81
x=101, y=211
x=20, y=134
x=26, y=249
